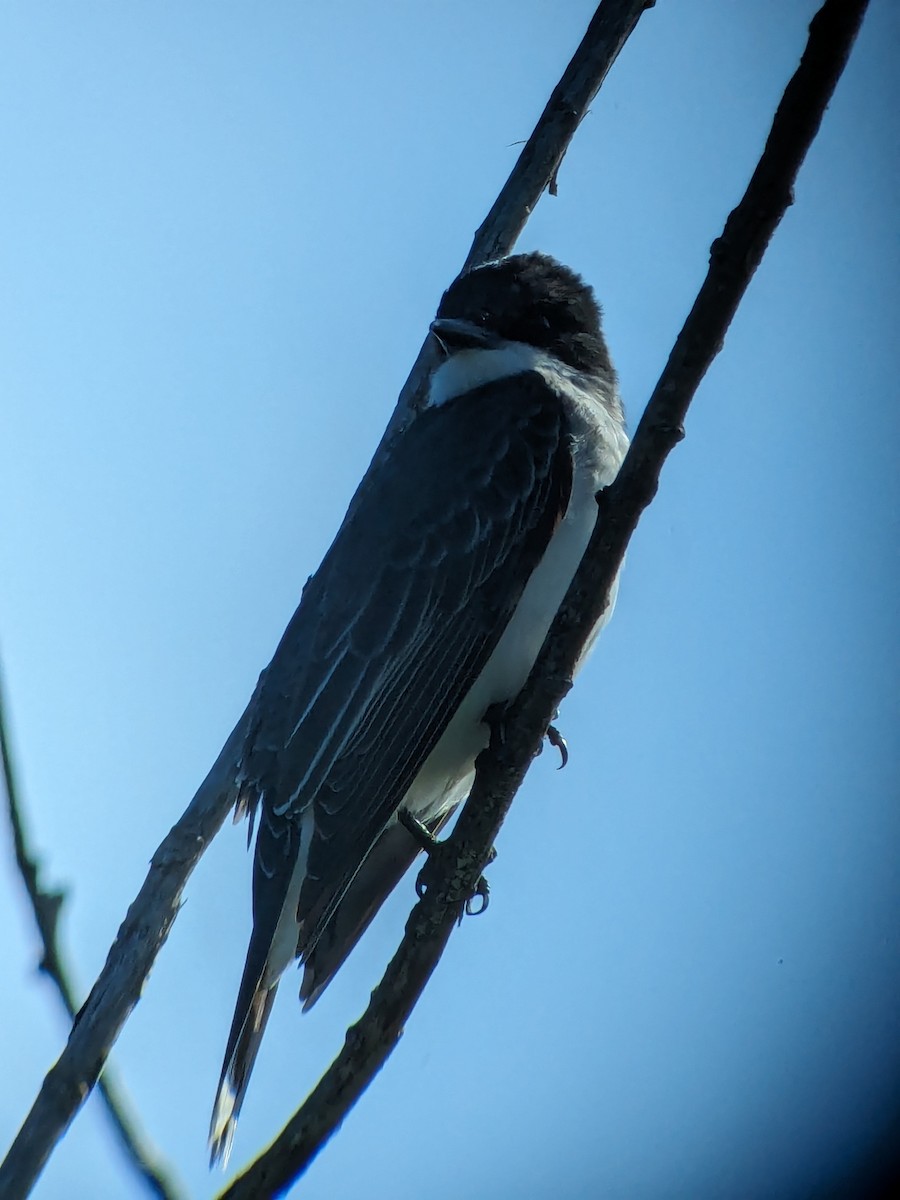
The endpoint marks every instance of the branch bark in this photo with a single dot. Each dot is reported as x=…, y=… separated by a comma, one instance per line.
x=142, y=1157
x=735, y=255
x=150, y=916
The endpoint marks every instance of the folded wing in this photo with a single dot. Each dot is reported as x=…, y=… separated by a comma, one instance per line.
x=389, y=636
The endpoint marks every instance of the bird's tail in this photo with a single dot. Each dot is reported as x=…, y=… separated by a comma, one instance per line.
x=381, y=871
x=243, y=1045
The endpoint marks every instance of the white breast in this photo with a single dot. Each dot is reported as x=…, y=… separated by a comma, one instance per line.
x=600, y=444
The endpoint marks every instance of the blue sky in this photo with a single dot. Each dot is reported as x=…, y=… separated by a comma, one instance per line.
x=226, y=228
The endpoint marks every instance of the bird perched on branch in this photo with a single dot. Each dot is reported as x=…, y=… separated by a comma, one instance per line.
x=430, y=607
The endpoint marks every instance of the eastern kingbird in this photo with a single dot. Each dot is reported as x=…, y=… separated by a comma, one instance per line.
x=430, y=607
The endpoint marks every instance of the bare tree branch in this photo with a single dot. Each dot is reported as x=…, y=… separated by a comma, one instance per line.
x=46, y=905
x=150, y=916
x=500, y=770
x=538, y=164
x=118, y=988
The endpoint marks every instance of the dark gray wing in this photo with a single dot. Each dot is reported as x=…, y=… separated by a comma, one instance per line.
x=389, y=636
x=398, y=622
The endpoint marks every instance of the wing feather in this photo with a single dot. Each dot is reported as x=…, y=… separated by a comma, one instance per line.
x=404, y=613
x=390, y=634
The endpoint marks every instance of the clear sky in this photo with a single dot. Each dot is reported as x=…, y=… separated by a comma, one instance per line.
x=225, y=229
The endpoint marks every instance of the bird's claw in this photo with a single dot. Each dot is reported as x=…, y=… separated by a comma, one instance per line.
x=482, y=894
x=556, y=739
x=433, y=847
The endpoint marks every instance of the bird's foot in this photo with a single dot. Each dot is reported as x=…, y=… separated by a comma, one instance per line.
x=475, y=904
x=495, y=719
x=556, y=739
x=421, y=834
x=480, y=897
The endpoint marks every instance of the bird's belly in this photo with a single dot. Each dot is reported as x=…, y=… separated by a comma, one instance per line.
x=447, y=773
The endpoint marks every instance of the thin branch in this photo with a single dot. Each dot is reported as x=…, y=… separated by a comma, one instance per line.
x=538, y=163
x=142, y=1157
x=118, y=988
x=501, y=769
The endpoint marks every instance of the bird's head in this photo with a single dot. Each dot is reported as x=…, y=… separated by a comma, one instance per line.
x=530, y=299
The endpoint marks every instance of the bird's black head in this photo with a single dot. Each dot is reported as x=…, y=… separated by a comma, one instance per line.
x=528, y=298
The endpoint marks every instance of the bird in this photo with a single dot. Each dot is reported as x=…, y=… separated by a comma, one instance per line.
x=428, y=610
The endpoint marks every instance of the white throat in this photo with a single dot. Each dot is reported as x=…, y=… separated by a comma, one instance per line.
x=466, y=370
